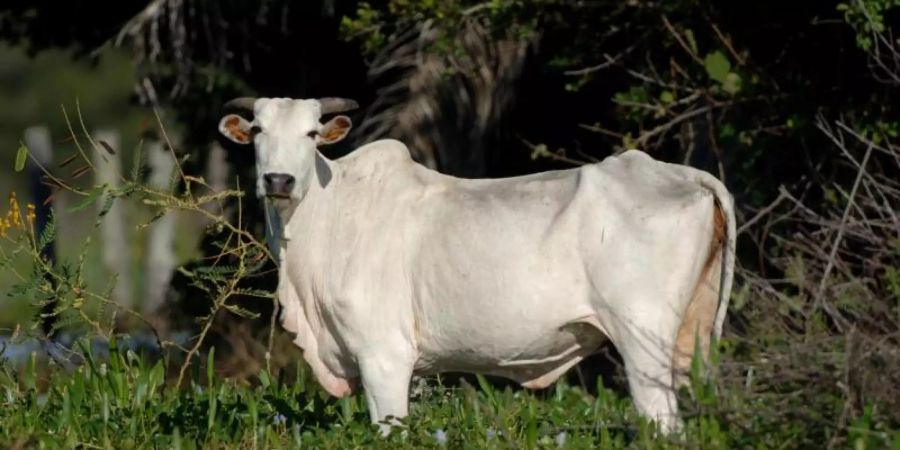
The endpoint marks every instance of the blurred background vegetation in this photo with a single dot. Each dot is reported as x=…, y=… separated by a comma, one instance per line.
x=35, y=88
x=793, y=104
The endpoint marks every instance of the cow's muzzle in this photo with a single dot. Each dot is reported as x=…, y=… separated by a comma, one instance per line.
x=278, y=184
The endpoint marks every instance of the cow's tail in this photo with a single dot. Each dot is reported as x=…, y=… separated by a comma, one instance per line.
x=726, y=205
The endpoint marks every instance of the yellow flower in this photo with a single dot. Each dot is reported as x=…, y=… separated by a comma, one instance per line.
x=30, y=215
x=14, y=215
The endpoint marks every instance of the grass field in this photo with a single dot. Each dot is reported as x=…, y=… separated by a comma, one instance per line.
x=125, y=402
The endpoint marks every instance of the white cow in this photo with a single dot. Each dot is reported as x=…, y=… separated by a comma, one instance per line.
x=390, y=269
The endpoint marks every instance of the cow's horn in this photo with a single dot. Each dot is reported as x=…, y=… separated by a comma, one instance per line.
x=331, y=105
x=241, y=103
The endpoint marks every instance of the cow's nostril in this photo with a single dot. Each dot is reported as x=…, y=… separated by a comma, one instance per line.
x=278, y=184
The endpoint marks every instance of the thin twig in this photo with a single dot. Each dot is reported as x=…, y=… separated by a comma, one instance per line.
x=837, y=240
x=610, y=61
x=680, y=40
x=174, y=156
x=84, y=155
x=541, y=150
x=644, y=137
x=727, y=42
x=601, y=130
x=762, y=212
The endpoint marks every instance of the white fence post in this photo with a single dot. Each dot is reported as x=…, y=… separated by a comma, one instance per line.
x=37, y=138
x=216, y=173
x=160, y=258
x=113, y=230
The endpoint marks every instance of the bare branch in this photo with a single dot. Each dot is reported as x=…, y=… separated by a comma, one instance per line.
x=663, y=128
x=763, y=212
x=837, y=240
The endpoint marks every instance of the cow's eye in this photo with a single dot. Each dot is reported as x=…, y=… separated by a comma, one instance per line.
x=312, y=134
x=255, y=129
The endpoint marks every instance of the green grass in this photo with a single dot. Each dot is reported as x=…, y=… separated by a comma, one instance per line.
x=125, y=402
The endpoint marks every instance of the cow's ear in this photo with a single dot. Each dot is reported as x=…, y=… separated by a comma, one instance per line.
x=334, y=130
x=235, y=128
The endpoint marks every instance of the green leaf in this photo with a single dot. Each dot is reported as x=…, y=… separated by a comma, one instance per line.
x=692, y=41
x=48, y=234
x=732, y=83
x=107, y=205
x=138, y=165
x=667, y=97
x=717, y=66
x=241, y=312
x=21, y=156
x=90, y=199
x=727, y=131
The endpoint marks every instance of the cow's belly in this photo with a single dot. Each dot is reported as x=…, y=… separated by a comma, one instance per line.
x=529, y=349
x=522, y=320
x=503, y=294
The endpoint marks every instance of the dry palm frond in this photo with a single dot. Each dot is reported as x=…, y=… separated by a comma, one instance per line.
x=445, y=105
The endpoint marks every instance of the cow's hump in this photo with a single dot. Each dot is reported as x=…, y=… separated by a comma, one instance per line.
x=381, y=151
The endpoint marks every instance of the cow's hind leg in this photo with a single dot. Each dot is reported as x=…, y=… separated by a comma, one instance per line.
x=648, y=365
x=386, y=380
x=699, y=318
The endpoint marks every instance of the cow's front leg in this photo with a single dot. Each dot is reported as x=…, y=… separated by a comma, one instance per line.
x=385, y=379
